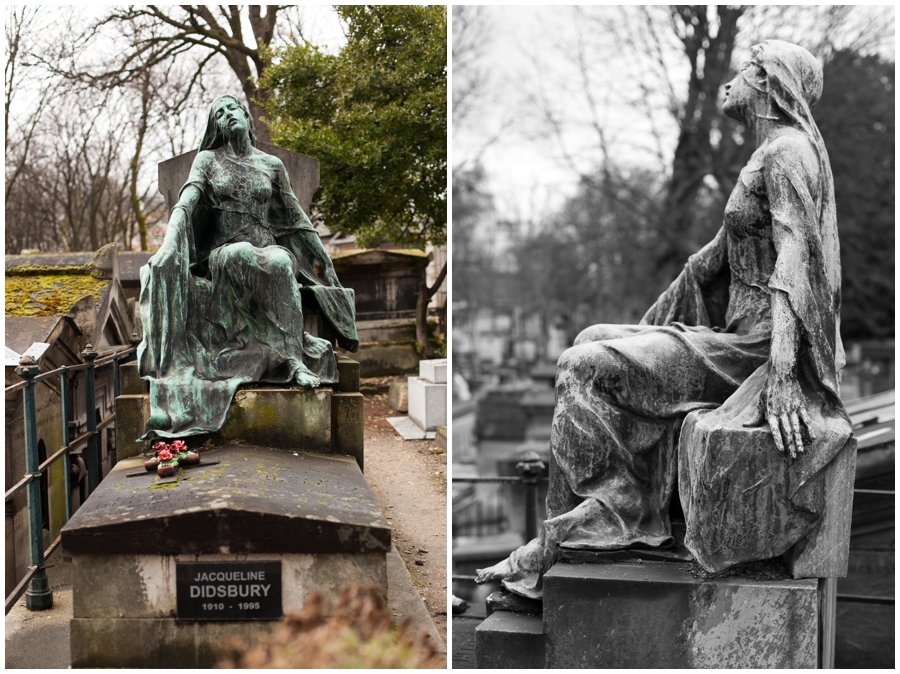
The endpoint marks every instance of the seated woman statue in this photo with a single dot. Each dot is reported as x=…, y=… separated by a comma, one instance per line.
x=729, y=385
x=220, y=301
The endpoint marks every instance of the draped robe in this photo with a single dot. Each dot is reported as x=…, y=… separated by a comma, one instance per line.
x=676, y=401
x=220, y=302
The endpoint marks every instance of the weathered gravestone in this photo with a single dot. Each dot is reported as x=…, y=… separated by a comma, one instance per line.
x=166, y=568
x=164, y=573
x=726, y=392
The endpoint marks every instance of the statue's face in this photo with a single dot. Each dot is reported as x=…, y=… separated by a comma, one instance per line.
x=230, y=117
x=749, y=83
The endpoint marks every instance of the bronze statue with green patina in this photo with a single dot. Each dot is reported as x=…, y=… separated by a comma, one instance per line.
x=220, y=301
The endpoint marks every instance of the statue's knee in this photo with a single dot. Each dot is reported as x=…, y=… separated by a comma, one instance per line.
x=596, y=333
x=279, y=261
x=571, y=358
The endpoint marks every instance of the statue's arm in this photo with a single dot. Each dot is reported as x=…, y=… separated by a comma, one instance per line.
x=311, y=241
x=791, y=178
x=709, y=261
x=178, y=234
x=301, y=239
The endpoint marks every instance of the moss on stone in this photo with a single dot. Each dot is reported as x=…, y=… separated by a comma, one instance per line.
x=51, y=294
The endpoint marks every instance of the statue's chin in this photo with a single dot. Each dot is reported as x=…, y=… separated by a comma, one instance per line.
x=733, y=111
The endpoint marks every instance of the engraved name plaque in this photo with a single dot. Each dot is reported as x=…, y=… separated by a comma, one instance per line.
x=228, y=590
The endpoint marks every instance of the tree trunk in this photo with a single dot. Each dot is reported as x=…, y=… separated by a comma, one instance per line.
x=135, y=164
x=710, y=59
x=425, y=295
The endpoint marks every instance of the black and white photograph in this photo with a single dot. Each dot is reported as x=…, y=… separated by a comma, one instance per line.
x=672, y=336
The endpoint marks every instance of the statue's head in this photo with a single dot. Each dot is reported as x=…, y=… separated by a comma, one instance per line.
x=787, y=74
x=227, y=115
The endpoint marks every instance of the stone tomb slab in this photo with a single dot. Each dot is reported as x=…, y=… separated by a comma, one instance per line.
x=657, y=615
x=310, y=517
x=256, y=499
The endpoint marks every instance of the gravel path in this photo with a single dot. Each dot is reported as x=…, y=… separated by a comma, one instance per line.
x=409, y=479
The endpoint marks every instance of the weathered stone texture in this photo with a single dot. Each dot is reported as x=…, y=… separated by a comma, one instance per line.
x=143, y=586
x=658, y=616
x=398, y=396
x=281, y=417
x=510, y=641
x=348, y=375
x=130, y=382
x=347, y=425
x=132, y=413
x=255, y=500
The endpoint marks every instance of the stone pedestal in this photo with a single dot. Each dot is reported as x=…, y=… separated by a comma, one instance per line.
x=508, y=640
x=427, y=395
x=656, y=615
x=313, y=515
x=326, y=420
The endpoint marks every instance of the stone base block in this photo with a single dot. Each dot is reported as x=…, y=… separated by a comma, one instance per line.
x=658, y=616
x=348, y=376
x=347, y=426
x=427, y=403
x=130, y=382
x=510, y=641
x=283, y=418
x=153, y=643
x=377, y=359
x=142, y=586
x=132, y=414
x=398, y=396
x=434, y=370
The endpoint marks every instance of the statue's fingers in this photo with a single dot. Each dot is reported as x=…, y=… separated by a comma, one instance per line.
x=776, y=433
x=798, y=436
x=787, y=434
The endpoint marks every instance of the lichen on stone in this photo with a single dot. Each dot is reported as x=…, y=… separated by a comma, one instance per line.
x=50, y=294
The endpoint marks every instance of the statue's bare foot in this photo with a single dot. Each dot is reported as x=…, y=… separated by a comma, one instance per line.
x=494, y=573
x=307, y=379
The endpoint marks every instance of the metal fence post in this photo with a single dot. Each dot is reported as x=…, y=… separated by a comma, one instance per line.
x=531, y=469
x=67, y=459
x=93, y=460
x=38, y=596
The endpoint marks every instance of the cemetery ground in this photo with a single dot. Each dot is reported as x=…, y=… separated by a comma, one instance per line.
x=409, y=480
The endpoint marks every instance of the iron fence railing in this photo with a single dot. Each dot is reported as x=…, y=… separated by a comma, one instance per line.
x=39, y=595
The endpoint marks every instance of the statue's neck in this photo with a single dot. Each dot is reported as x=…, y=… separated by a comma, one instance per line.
x=763, y=120
x=239, y=144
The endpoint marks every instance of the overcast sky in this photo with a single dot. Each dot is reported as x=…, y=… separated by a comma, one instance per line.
x=529, y=50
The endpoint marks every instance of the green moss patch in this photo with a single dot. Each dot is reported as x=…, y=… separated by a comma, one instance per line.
x=49, y=294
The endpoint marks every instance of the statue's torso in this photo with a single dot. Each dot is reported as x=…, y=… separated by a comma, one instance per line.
x=751, y=251
x=240, y=190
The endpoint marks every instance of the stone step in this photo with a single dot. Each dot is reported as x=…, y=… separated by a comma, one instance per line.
x=657, y=615
x=507, y=640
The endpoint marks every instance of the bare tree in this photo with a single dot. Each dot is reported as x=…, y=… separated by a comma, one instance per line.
x=158, y=34
x=21, y=28
x=661, y=68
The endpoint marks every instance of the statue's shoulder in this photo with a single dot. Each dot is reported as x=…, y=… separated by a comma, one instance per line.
x=204, y=157
x=791, y=145
x=268, y=159
x=793, y=149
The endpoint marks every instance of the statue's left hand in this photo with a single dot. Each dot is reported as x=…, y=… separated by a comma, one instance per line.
x=786, y=414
